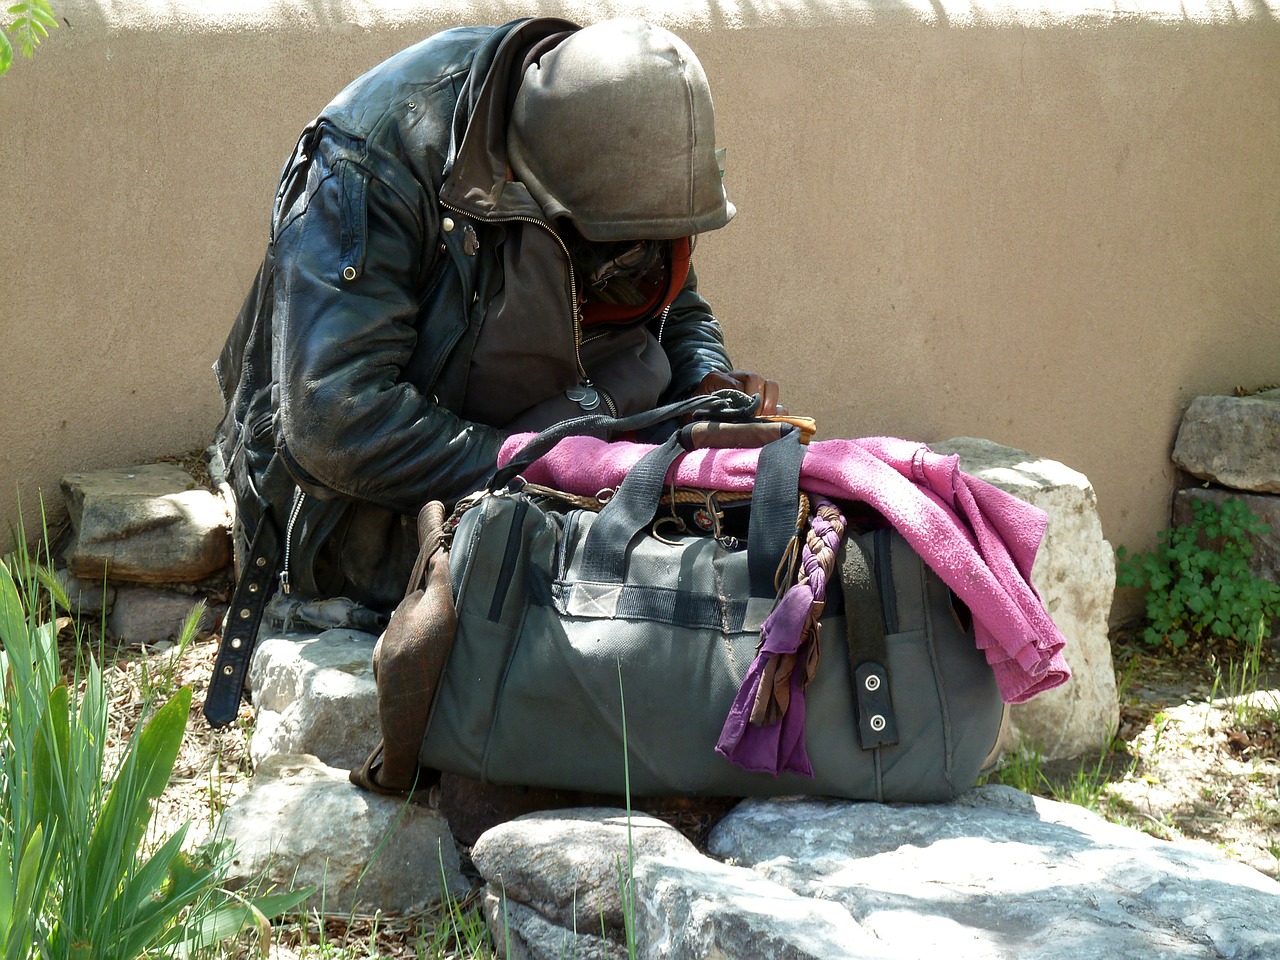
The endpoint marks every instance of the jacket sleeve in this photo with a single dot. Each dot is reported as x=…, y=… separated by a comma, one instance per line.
x=350, y=264
x=693, y=340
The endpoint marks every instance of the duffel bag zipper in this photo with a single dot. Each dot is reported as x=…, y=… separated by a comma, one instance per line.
x=884, y=580
x=298, y=497
x=515, y=536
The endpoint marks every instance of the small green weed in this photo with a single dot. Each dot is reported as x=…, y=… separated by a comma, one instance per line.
x=1023, y=770
x=1086, y=786
x=1195, y=592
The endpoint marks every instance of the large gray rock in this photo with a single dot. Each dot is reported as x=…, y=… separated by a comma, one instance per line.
x=145, y=524
x=565, y=863
x=86, y=597
x=302, y=823
x=149, y=615
x=315, y=695
x=702, y=908
x=1234, y=441
x=1075, y=575
x=522, y=933
x=1265, y=562
x=556, y=882
x=999, y=875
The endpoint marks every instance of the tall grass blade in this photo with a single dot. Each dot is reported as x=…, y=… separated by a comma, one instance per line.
x=628, y=882
x=33, y=877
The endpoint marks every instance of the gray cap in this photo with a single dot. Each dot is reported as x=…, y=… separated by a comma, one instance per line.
x=614, y=129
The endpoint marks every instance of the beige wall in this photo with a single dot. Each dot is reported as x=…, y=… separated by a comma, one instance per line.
x=1045, y=226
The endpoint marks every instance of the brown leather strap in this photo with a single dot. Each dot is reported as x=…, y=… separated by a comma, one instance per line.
x=708, y=434
x=408, y=663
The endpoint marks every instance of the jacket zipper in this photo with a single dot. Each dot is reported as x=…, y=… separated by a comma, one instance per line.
x=573, y=285
x=662, y=323
x=298, y=497
x=608, y=401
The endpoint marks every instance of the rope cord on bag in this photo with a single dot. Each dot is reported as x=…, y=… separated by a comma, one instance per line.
x=764, y=730
x=817, y=561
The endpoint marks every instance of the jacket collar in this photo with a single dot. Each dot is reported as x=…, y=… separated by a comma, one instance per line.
x=476, y=172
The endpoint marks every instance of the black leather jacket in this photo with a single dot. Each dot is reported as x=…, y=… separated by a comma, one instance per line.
x=346, y=366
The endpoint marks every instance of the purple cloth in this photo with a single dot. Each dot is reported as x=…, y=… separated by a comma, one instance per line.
x=780, y=747
x=980, y=540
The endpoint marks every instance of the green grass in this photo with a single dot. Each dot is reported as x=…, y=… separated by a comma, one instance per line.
x=1085, y=785
x=82, y=873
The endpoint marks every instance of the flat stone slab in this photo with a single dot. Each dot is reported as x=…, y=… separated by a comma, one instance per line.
x=315, y=694
x=145, y=524
x=1000, y=875
x=1234, y=441
x=302, y=823
x=1075, y=576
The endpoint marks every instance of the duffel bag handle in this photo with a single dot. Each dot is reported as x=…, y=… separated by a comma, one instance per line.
x=724, y=405
x=775, y=506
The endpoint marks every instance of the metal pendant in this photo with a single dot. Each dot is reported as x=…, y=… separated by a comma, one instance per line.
x=584, y=395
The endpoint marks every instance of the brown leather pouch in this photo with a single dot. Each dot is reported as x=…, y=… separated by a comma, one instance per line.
x=407, y=663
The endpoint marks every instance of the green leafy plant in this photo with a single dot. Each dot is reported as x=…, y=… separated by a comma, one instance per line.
x=80, y=873
x=1196, y=591
x=31, y=23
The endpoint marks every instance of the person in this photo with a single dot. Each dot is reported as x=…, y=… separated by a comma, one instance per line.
x=487, y=233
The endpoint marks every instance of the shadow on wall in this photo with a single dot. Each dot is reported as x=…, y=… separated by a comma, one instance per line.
x=962, y=14
x=216, y=15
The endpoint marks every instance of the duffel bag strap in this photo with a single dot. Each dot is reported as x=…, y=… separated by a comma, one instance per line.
x=408, y=663
x=868, y=649
x=775, y=506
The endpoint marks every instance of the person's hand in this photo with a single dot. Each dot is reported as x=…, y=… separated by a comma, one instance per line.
x=749, y=383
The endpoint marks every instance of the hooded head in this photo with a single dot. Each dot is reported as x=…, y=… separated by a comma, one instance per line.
x=613, y=129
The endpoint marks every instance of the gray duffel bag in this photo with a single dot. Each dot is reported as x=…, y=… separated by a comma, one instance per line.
x=563, y=611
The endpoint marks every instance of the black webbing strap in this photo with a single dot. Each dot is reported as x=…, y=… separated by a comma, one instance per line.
x=775, y=504
x=775, y=508
x=240, y=628
x=629, y=510
x=868, y=650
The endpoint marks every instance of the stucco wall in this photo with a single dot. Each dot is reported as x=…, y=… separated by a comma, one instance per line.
x=1050, y=226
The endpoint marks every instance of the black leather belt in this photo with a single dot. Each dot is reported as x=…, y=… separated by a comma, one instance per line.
x=240, y=629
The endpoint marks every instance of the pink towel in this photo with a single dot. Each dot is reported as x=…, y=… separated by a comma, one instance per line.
x=980, y=540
